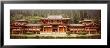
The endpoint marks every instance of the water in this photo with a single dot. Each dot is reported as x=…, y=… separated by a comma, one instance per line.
x=50, y=37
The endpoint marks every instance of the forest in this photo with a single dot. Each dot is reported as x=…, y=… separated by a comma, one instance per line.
x=34, y=16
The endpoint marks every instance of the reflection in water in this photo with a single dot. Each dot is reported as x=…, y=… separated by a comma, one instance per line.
x=50, y=37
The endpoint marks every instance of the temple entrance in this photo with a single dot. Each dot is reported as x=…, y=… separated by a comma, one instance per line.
x=62, y=29
x=55, y=28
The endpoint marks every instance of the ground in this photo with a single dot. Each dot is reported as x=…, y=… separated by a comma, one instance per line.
x=55, y=36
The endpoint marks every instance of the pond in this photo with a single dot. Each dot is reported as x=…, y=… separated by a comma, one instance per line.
x=50, y=37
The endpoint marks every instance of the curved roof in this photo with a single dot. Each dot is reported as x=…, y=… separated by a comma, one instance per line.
x=76, y=25
x=55, y=17
x=33, y=25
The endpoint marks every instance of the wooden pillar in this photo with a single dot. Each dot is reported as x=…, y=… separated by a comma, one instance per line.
x=47, y=30
x=96, y=32
x=51, y=29
x=58, y=28
x=63, y=28
x=77, y=30
x=89, y=31
x=66, y=29
x=43, y=29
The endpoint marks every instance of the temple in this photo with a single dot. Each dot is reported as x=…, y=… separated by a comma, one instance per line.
x=54, y=23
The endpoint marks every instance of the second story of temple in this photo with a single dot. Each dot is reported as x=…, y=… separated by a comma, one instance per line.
x=55, y=19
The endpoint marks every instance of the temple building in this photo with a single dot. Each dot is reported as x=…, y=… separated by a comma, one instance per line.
x=54, y=23
x=33, y=28
x=18, y=26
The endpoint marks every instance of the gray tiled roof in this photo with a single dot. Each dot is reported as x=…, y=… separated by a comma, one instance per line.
x=76, y=25
x=33, y=25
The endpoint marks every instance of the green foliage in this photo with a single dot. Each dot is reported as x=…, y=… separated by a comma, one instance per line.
x=30, y=19
x=33, y=16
